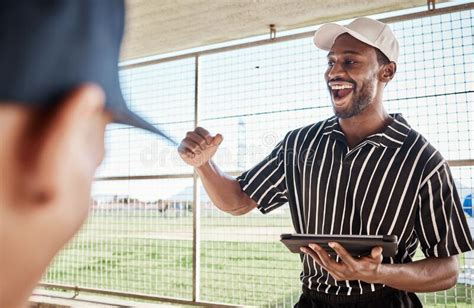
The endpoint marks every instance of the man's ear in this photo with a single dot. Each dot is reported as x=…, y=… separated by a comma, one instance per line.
x=387, y=72
x=68, y=140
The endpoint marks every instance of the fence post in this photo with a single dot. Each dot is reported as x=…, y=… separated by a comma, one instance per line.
x=196, y=200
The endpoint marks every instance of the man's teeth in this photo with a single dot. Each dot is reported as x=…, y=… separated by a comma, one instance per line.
x=341, y=87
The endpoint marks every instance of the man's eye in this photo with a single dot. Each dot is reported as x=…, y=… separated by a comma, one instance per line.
x=350, y=62
x=330, y=64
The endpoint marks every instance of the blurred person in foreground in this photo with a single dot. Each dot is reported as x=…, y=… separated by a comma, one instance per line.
x=363, y=171
x=59, y=88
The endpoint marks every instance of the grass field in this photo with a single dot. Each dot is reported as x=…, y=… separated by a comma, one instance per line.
x=242, y=261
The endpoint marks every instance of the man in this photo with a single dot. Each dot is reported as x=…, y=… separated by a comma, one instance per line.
x=52, y=123
x=363, y=171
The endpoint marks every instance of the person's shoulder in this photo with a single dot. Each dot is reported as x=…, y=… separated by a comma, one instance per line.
x=310, y=131
x=429, y=156
x=418, y=140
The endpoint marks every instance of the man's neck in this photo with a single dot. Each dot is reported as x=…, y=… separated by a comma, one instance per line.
x=370, y=121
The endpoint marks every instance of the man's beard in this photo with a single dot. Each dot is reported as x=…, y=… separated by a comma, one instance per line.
x=360, y=100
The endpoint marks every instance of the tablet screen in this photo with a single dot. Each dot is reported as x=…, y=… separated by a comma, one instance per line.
x=356, y=245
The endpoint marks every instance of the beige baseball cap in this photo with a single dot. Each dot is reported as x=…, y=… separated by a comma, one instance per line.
x=367, y=30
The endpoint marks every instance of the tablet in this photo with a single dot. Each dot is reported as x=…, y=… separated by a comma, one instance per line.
x=356, y=245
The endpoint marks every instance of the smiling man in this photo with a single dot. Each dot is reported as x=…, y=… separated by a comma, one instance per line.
x=363, y=171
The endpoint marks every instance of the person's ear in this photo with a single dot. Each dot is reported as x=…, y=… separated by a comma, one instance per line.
x=387, y=72
x=65, y=145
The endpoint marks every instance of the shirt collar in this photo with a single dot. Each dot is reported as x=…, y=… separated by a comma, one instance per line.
x=393, y=135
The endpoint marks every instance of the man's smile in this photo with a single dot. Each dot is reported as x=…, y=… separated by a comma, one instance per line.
x=340, y=90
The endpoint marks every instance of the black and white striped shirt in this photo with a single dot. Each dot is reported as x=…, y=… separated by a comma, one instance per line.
x=393, y=182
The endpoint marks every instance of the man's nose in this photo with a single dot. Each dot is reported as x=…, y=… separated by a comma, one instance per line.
x=335, y=71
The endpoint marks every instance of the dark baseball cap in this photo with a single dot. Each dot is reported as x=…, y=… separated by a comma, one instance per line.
x=49, y=47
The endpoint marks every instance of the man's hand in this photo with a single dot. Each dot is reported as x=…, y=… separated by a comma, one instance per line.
x=348, y=268
x=199, y=147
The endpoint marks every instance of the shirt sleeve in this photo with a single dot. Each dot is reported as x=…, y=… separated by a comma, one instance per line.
x=441, y=224
x=266, y=182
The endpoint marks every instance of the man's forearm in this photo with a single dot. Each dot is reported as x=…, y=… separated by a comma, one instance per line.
x=223, y=190
x=428, y=275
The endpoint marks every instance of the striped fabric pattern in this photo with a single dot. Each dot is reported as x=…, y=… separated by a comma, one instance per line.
x=394, y=182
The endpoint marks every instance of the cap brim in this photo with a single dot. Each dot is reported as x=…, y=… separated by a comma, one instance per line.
x=126, y=116
x=325, y=36
x=74, y=42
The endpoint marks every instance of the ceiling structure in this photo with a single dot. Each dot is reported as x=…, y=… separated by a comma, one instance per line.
x=161, y=26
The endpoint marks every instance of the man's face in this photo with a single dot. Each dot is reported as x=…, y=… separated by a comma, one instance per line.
x=351, y=75
x=48, y=161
